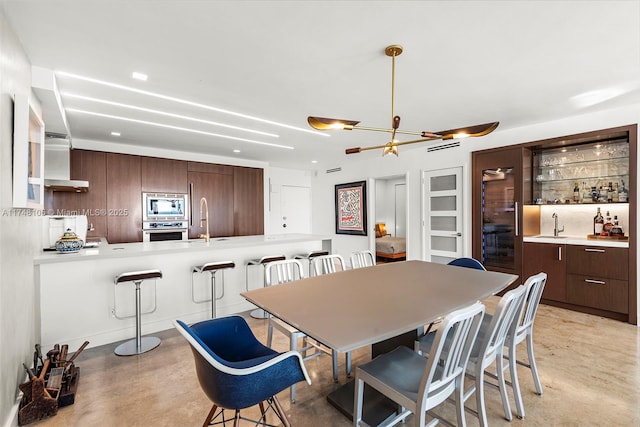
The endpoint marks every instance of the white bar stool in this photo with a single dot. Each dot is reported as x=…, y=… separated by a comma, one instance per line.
x=309, y=257
x=212, y=268
x=139, y=344
x=259, y=313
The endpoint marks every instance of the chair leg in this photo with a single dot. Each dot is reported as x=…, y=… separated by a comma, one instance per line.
x=503, y=387
x=236, y=419
x=532, y=362
x=280, y=412
x=293, y=345
x=264, y=414
x=269, y=334
x=357, y=401
x=347, y=359
x=334, y=356
x=212, y=412
x=482, y=410
x=515, y=384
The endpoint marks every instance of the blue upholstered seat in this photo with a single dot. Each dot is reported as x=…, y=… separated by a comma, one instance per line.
x=235, y=370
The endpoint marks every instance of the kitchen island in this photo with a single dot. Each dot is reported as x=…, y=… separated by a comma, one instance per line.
x=78, y=301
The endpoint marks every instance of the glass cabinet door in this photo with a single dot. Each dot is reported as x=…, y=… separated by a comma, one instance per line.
x=498, y=217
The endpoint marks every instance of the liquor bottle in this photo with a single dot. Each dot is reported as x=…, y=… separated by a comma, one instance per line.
x=576, y=192
x=608, y=225
x=610, y=193
x=598, y=223
x=616, y=230
x=586, y=193
x=603, y=196
x=614, y=195
x=623, y=194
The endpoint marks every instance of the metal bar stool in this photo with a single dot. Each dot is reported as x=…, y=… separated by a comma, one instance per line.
x=259, y=313
x=139, y=344
x=309, y=257
x=212, y=268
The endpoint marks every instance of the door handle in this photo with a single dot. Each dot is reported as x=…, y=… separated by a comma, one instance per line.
x=595, y=282
x=516, y=218
x=456, y=235
x=191, y=204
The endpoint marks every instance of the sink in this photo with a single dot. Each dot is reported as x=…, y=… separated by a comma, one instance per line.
x=549, y=237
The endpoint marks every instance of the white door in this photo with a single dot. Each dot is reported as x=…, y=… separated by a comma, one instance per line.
x=295, y=209
x=442, y=214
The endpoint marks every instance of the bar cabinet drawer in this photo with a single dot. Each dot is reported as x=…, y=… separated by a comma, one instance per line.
x=598, y=292
x=598, y=261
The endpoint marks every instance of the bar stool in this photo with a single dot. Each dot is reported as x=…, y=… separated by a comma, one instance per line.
x=259, y=313
x=212, y=268
x=309, y=257
x=139, y=344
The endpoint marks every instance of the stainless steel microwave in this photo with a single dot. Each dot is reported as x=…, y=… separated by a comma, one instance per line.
x=161, y=206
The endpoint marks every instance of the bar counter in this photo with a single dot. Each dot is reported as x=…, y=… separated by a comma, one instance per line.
x=76, y=295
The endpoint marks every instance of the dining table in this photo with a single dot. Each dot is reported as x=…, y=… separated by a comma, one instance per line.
x=382, y=306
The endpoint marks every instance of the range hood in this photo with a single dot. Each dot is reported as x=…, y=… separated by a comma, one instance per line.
x=57, y=166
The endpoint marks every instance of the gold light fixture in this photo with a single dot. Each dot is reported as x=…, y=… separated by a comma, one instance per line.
x=391, y=147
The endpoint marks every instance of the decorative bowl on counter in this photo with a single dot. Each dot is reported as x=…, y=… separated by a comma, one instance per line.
x=69, y=242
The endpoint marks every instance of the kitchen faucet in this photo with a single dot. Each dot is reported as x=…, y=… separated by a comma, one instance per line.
x=204, y=222
x=556, y=231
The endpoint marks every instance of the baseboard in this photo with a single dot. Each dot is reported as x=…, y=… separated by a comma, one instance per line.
x=12, y=418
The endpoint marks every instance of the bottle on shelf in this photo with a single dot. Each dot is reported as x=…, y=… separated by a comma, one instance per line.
x=594, y=194
x=604, y=195
x=623, y=194
x=608, y=225
x=610, y=193
x=576, y=192
x=614, y=193
x=616, y=230
x=586, y=193
x=598, y=223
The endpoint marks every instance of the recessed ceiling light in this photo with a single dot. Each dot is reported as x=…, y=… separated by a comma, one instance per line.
x=186, y=102
x=115, y=133
x=139, y=76
x=314, y=161
x=236, y=151
x=128, y=119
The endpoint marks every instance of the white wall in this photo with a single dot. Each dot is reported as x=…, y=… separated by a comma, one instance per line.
x=19, y=237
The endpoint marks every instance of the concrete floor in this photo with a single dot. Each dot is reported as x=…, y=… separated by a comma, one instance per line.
x=589, y=367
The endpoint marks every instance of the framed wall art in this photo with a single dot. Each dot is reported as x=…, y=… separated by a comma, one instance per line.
x=351, y=208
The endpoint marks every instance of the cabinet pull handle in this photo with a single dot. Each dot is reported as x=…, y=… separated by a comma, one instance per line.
x=559, y=253
x=516, y=218
x=595, y=282
x=191, y=204
x=594, y=250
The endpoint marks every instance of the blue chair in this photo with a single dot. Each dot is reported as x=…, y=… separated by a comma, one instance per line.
x=468, y=263
x=236, y=371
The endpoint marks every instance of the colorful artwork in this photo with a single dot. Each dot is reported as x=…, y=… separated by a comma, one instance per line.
x=351, y=208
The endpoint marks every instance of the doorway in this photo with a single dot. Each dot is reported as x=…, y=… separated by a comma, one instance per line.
x=390, y=211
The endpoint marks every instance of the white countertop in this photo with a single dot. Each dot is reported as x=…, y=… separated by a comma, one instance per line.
x=575, y=240
x=121, y=250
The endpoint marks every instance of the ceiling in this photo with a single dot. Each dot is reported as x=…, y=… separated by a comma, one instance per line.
x=464, y=63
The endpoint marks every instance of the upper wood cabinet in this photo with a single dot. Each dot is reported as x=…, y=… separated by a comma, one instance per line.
x=124, y=198
x=163, y=175
x=248, y=201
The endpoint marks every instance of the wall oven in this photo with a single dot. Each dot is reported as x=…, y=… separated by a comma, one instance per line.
x=164, y=230
x=165, y=217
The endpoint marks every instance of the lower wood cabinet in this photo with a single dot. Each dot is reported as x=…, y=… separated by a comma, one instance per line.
x=594, y=279
x=549, y=258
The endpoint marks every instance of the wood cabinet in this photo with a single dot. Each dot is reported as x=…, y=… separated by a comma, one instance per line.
x=217, y=188
x=248, y=201
x=163, y=175
x=598, y=277
x=124, y=198
x=549, y=258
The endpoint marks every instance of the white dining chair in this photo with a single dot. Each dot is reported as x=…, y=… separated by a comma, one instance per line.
x=276, y=273
x=416, y=383
x=361, y=259
x=521, y=330
x=328, y=264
